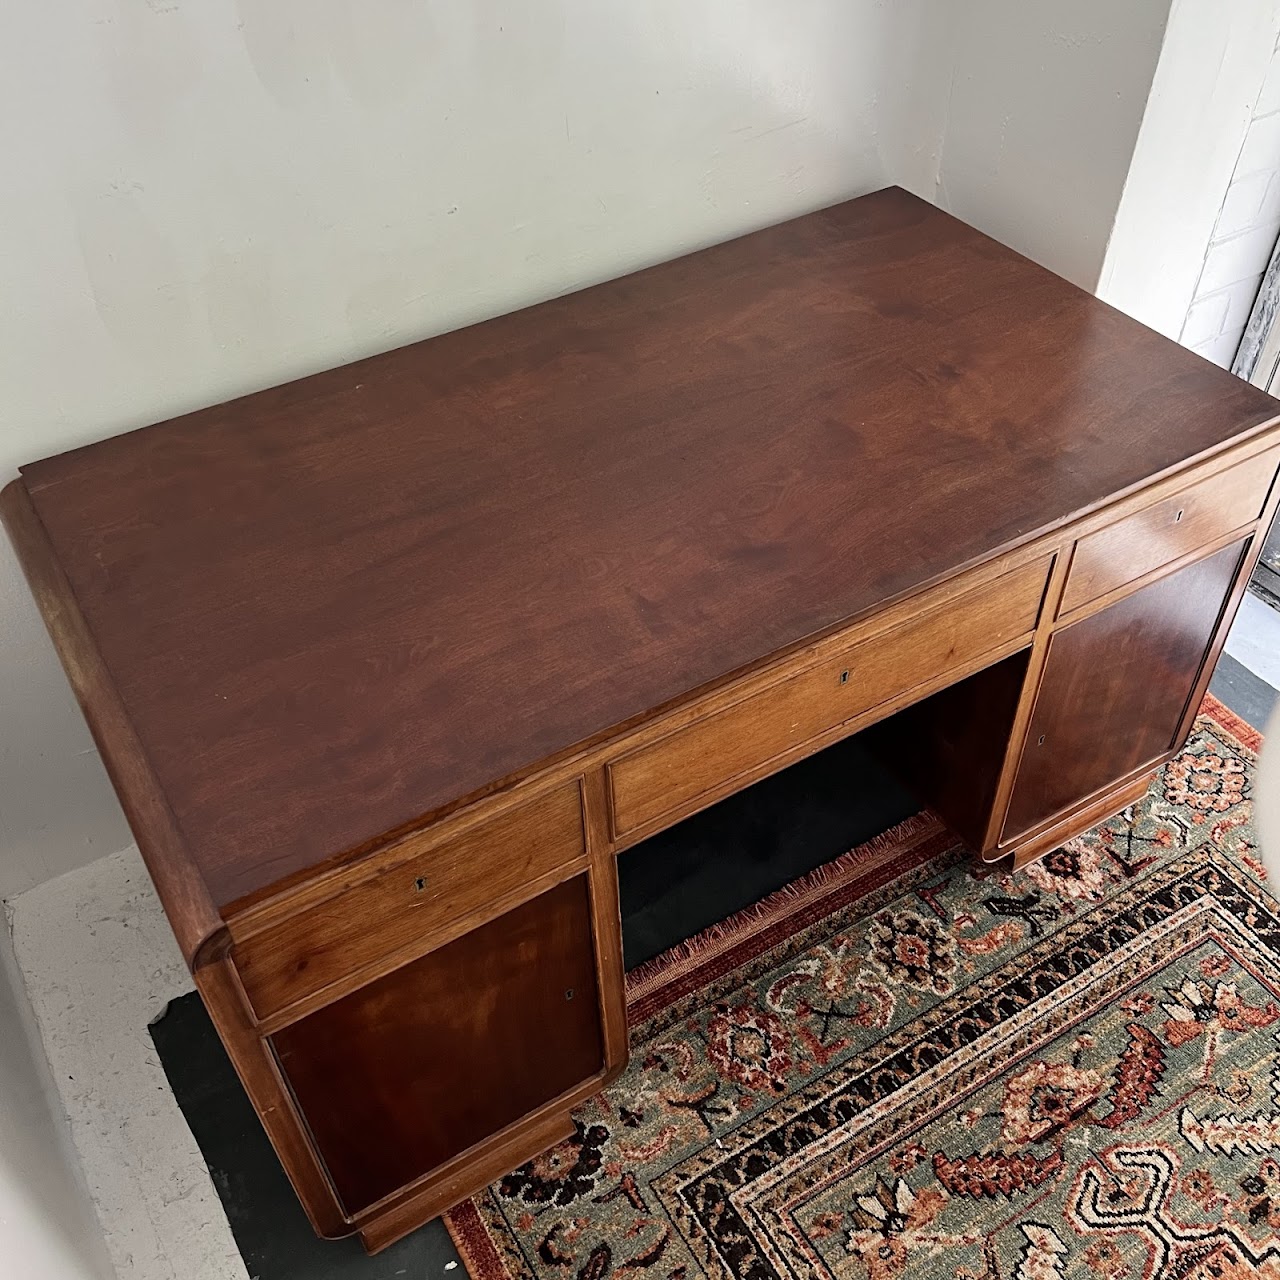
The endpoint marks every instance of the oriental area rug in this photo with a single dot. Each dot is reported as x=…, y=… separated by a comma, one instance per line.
x=900, y=1067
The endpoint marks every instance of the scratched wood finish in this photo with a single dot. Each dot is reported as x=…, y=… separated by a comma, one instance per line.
x=665, y=479
x=413, y=1069
x=1115, y=687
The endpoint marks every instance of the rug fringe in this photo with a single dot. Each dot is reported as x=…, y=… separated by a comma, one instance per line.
x=644, y=976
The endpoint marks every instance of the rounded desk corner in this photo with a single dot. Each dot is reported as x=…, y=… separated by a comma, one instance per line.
x=15, y=502
x=210, y=948
x=613, y=1073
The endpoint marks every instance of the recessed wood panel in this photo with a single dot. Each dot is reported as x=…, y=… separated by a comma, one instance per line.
x=1167, y=530
x=664, y=777
x=949, y=749
x=1114, y=689
x=399, y=1076
x=422, y=894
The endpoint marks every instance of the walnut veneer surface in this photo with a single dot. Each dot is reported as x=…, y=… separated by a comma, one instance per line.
x=380, y=590
x=388, y=664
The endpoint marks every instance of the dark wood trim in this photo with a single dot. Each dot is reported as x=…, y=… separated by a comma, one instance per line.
x=259, y=1073
x=1026, y=703
x=410, y=1212
x=1248, y=564
x=607, y=921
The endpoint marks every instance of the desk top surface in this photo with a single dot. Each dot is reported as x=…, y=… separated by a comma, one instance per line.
x=341, y=605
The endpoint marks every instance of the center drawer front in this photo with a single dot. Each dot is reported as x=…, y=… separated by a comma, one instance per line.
x=1159, y=534
x=416, y=896
x=662, y=779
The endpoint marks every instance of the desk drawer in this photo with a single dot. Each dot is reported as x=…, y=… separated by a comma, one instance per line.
x=425, y=892
x=735, y=744
x=1160, y=534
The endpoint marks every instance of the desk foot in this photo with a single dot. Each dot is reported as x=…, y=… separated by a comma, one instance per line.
x=1090, y=814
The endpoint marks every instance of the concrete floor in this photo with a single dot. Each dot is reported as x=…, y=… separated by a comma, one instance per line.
x=99, y=964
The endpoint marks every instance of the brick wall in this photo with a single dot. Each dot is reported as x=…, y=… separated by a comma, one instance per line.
x=1243, y=238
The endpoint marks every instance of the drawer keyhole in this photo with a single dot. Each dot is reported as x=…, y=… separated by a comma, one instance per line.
x=1040, y=741
x=844, y=677
x=568, y=995
x=1177, y=517
x=420, y=884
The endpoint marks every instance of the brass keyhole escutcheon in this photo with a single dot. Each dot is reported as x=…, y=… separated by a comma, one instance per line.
x=420, y=884
x=844, y=677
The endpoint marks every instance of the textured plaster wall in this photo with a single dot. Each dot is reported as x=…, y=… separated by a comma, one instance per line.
x=1244, y=235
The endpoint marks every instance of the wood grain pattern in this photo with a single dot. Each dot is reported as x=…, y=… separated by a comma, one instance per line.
x=259, y=1073
x=401, y=1076
x=663, y=777
x=1097, y=808
x=606, y=909
x=639, y=473
x=1166, y=530
x=1039, y=652
x=425, y=898
x=1114, y=689
x=466, y=1176
x=387, y=665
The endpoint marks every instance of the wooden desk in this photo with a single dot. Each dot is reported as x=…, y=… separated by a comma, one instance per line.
x=389, y=663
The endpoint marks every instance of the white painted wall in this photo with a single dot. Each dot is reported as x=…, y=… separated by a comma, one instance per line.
x=1244, y=235
x=47, y=1228
x=1045, y=105
x=1210, y=75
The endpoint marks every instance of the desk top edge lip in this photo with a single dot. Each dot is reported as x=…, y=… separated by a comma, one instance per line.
x=198, y=923
x=37, y=473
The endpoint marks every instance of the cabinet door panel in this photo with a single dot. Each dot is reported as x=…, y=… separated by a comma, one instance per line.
x=1114, y=689
x=401, y=1075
